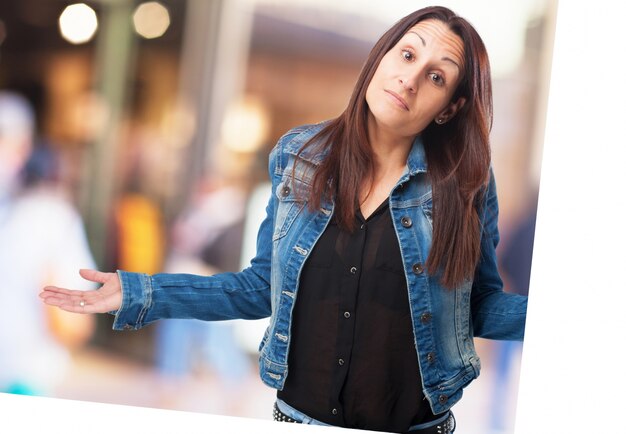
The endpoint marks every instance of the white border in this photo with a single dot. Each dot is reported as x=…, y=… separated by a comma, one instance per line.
x=573, y=376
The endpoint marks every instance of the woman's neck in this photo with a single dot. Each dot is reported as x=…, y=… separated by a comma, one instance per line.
x=389, y=150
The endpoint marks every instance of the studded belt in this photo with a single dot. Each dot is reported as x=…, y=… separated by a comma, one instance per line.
x=446, y=426
x=279, y=416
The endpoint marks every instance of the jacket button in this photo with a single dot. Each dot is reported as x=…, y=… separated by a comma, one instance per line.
x=334, y=411
x=353, y=270
x=443, y=399
x=418, y=269
x=406, y=222
x=286, y=191
x=426, y=317
x=127, y=327
x=430, y=357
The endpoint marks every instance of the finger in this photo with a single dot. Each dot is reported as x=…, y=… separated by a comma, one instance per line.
x=56, y=301
x=94, y=275
x=75, y=303
x=54, y=289
x=65, y=303
x=57, y=290
x=50, y=298
x=61, y=293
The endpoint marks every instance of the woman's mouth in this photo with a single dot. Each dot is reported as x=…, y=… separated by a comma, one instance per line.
x=397, y=99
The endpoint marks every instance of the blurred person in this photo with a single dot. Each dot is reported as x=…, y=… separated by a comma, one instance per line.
x=41, y=240
x=206, y=239
x=515, y=263
x=138, y=223
x=376, y=260
x=139, y=229
x=250, y=332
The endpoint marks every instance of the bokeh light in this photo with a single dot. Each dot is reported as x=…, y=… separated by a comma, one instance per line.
x=246, y=125
x=151, y=20
x=78, y=23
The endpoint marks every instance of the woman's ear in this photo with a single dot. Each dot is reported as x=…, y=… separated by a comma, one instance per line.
x=449, y=112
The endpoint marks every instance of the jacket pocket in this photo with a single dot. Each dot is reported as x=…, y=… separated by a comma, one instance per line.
x=427, y=209
x=288, y=208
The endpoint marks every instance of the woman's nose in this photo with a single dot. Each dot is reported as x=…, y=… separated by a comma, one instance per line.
x=409, y=81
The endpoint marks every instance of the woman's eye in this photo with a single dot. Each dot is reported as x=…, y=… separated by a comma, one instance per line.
x=407, y=55
x=436, y=78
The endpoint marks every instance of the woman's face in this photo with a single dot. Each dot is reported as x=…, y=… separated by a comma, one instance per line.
x=416, y=79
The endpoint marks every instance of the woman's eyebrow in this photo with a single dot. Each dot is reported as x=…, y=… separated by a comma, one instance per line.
x=452, y=61
x=443, y=58
x=422, y=39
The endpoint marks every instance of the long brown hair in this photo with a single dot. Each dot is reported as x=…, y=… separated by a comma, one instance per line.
x=457, y=153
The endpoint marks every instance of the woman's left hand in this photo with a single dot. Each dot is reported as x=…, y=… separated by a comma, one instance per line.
x=106, y=299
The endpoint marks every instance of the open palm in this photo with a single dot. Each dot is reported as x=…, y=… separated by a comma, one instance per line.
x=106, y=299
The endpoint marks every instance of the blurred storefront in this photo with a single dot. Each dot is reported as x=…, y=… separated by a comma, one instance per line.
x=149, y=110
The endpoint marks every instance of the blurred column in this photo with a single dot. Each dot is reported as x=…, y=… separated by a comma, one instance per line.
x=115, y=49
x=545, y=67
x=213, y=69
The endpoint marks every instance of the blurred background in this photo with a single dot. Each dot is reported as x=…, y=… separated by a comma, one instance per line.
x=134, y=135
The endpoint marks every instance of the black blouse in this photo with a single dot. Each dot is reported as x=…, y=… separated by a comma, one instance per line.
x=352, y=360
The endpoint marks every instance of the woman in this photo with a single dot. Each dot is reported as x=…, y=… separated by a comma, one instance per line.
x=376, y=260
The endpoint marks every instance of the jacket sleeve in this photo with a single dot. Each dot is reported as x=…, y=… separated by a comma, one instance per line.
x=495, y=313
x=244, y=295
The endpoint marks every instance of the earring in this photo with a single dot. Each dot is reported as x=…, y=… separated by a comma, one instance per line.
x=440, y=120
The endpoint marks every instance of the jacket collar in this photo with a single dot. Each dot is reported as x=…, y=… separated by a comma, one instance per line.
x=416, y=161
x=311, y=153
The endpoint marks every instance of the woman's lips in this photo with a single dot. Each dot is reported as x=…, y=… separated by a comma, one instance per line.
x=398, y=99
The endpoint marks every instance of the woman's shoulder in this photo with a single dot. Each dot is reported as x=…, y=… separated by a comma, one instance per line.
x=292, y=144
x=294, y=140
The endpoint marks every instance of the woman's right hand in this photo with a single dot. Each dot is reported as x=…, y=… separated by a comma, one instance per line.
x=106, y=299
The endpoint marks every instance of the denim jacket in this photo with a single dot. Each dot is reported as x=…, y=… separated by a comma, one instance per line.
x=444, y=321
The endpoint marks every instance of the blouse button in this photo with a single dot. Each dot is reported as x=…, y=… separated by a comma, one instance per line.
x=334, y=411
x=406, y=222
x=353, y=270
x=417, y=268
x=346, y=315
x=341, y=362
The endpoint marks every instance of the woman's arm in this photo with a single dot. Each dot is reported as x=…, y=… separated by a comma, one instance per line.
x=223, y=296
x=495, y=313
x=138, y=299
